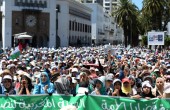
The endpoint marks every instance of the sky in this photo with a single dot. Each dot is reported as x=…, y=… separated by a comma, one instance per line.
x=138, y=3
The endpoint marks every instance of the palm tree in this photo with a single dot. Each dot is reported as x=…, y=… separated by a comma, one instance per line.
x=154, y=9
x=126, y=17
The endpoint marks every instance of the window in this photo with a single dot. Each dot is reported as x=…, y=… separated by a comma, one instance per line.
x=85, y=28
x=107, y=4
x=45, y=4
x=107, y=8
x=90, y=28
x=16, y=3
x=80, y=27
x=70, y=25
x=73, y=26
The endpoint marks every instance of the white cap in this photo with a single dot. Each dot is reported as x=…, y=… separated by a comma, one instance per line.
x=96, y=69
x=156, y=70
x=147, y=84
x=7, y=77
x=74, y=70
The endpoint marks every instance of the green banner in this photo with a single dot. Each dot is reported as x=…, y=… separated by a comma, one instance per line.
x=83, y=102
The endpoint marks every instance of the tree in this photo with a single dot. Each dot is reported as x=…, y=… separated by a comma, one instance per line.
x=154, y=10
x=126, y=17
x=144, y=41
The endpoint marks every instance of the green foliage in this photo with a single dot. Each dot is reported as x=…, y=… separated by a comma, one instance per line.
x=127, y=17
x=167, y=40
x=153, y=13
x=144, y=41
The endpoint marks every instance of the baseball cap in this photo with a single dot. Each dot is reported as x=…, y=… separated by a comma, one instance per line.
x=125, y=80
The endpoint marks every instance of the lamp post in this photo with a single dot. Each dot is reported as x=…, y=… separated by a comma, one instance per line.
x=57, y=37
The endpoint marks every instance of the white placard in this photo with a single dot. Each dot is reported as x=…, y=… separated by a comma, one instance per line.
x=155, y=38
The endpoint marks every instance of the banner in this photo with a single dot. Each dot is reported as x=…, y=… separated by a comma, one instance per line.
x=155, y=38
x=56, y=102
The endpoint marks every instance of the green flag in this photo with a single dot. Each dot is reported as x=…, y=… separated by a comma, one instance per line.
x=16, y=53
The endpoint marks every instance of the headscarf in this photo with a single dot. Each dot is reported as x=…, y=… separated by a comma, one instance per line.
x=102, y=82
x=39, y=89
x=48, y=79
x=153, y=73
x=127, y=89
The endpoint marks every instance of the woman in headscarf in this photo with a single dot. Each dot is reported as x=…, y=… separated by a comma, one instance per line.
x=154, y=76
x=146, y=91
x=44, y=86
x=99, y=86
x=117, y=88
x=126, y=86
x=25, y=85
x=159, y=87
x=133, y=85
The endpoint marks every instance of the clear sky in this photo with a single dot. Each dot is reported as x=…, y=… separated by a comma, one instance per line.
x=138, y=3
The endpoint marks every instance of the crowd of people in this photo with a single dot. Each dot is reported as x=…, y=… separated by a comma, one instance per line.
x=134, y=72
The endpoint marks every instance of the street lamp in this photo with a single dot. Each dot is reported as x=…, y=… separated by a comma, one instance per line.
x=57, y=37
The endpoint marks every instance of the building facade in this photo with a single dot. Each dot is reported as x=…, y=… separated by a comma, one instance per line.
x=48, y=21
x=97, y=23
x=111, y=5
x=34, y=17
x=91, y=1
x=74, y=23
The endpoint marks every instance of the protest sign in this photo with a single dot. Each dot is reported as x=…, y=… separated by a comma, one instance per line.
x=155, y=38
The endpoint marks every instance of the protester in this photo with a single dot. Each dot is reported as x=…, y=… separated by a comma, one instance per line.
x=159, y=88
x=25, y=84
x=7, y=88
x=146, y=91
x=126, y=86
x=117, y=88
x=61, y=84
x=99, y=86
x=44, y=86
x=126, y=72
